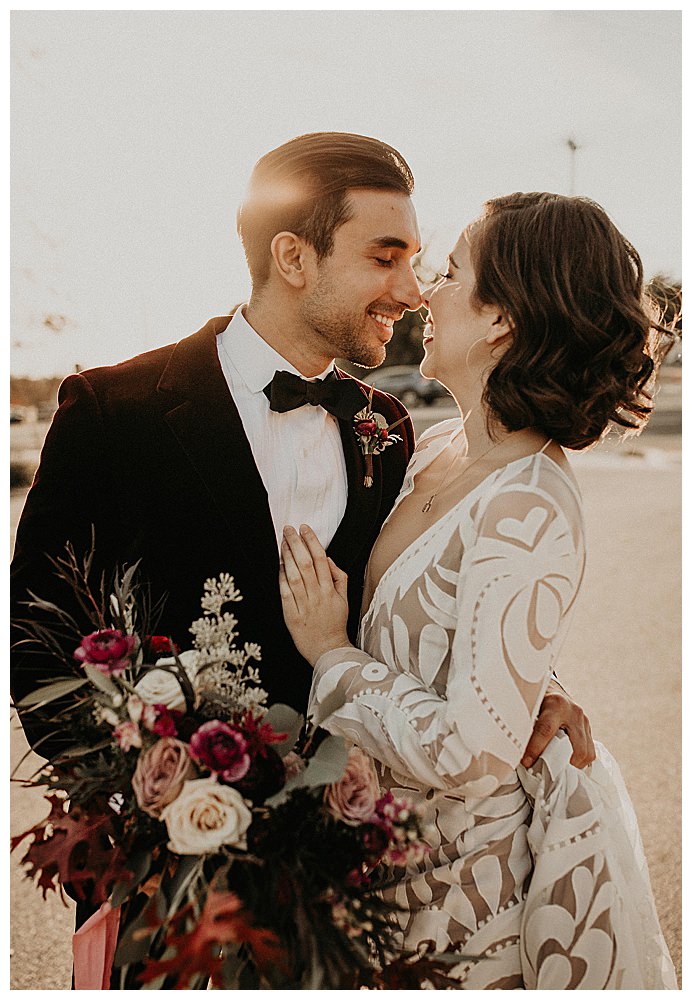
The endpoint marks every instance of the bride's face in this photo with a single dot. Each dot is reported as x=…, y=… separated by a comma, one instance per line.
x=459, y=334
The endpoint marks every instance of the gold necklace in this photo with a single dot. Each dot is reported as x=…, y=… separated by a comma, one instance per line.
x=429, y=502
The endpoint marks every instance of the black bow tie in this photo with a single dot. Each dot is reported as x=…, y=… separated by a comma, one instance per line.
x=340, y=396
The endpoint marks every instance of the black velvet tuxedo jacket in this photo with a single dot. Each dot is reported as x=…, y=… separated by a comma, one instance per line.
x=152, y=452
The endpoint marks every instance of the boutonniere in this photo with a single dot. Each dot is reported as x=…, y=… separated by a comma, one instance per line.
x=374, y=435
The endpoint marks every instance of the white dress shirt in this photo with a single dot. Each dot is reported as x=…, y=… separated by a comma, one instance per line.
x=299, y=453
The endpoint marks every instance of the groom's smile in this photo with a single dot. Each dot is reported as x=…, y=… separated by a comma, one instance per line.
x=367, y=282
x=385, y=324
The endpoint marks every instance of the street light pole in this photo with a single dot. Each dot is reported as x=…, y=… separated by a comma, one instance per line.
x=573, y=147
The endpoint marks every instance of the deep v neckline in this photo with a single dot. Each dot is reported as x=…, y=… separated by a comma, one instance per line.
x=441, y=520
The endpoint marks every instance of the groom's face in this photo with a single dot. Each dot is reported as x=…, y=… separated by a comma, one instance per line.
x=367, y=282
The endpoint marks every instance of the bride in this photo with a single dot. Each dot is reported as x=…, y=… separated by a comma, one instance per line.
x=536, y=875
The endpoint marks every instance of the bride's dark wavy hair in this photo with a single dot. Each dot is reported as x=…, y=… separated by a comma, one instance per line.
x=584, y=346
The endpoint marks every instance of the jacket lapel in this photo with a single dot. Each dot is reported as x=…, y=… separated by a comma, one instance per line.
x=202, y=415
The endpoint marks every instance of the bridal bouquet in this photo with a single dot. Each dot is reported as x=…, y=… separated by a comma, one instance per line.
x=227, y=844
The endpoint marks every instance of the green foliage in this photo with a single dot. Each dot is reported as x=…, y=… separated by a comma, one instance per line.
x=21, y=475
x=327, y=765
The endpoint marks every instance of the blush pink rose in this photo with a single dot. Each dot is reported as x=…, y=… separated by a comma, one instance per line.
x=354, y=797
x=160, y=774
x=108, y=650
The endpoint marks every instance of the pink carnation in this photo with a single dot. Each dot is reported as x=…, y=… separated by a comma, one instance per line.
x=222, y=749
x=108, y=650
x=127, y=734
x=354, y=797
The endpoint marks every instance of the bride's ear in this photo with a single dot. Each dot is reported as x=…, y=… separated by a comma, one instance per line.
x=501, y=330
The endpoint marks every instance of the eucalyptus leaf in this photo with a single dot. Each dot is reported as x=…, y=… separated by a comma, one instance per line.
x=139, y=865
x=51, y=692
x=101, y=681
x=174, y=888
x=326, y=767
x=284, y=719
x=136, y=937
x=232, y=967
x=81, y=751
x=328, y=763
x=126, y=585
x=155, y=984
x=42, y=605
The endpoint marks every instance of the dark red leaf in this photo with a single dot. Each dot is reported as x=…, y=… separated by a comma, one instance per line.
x=198, y=951
x=75, y=847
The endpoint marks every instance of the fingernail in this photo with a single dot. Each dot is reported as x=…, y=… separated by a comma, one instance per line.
x=527, y=761
x=304, y=528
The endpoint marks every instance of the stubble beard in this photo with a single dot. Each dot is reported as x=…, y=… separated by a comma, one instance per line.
x=341, y=333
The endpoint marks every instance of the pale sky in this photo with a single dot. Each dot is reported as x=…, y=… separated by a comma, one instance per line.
x=134, y=134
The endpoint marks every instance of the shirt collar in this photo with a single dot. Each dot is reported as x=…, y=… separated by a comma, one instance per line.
x=252, y=357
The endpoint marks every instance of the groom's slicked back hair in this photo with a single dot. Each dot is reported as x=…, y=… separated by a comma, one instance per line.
x=302, y=188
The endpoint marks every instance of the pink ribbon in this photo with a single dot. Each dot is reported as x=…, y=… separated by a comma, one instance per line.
x=93, y=949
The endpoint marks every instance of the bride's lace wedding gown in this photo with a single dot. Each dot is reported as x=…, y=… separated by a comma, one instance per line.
x=538, y=874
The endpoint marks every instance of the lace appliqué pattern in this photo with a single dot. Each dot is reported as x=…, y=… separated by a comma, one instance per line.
x=538, y=873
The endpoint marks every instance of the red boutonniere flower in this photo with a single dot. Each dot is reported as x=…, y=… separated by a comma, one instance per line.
x=373, y=436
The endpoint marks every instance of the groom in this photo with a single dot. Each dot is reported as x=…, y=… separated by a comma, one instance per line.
x=192, y=457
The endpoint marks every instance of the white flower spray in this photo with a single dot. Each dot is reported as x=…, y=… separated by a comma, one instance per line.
x=225, y=675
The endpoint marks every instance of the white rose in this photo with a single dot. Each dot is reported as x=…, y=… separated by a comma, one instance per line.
x=189, y=659
x=161, y=687
x=206, y=816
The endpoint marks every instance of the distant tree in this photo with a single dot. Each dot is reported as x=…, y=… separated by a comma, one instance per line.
x=34, y=391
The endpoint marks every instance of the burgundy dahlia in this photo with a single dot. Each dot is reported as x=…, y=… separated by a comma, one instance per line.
x=222, y=749
x=366, y=428
x=265, y=776
x=108, y=650
x=161, y=720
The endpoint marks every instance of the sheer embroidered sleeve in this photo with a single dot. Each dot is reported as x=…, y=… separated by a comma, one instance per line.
x=501, y=618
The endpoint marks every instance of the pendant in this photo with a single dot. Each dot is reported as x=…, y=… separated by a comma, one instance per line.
x=428, y=504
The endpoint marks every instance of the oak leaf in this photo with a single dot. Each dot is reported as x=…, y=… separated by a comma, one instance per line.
x=74, y=847
x=199, y=951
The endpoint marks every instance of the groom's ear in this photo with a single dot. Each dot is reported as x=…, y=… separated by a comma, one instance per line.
x=290, y=255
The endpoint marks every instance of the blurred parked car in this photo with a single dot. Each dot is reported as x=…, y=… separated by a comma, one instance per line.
x=46, y=410
x=17, y=414
x=408, y=385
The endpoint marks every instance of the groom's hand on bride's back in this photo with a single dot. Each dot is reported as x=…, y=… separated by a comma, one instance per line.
x=557, y=712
